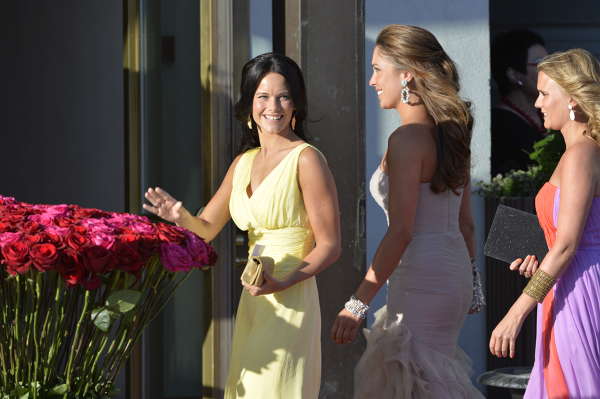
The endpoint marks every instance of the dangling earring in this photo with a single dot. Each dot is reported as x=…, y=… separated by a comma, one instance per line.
x=405, y=93
x=571, y=112
x=293, y=123
x=249, y=122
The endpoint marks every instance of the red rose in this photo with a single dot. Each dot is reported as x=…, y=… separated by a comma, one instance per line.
x=64, y=221
x=13, y=219
x=127, y=257
x=76, y=239
x=87, y=213
x=70, y=268
x=30, y=227
x=4, y=227
x=91, y=282
x=54, y=239
x=168, y=233
x=33, y=238
x=129, y=237
x=98, y=260
x=148, y=245
x=44, y=256
x=16, y=257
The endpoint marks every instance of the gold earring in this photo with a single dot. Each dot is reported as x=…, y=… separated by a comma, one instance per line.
x=293, y=122
x=249, y=123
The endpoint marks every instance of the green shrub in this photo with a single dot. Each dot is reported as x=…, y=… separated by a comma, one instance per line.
x=526, y=183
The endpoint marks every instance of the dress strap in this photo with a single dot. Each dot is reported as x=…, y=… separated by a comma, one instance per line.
x=242, y=168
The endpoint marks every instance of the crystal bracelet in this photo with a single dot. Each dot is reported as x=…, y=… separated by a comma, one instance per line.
x=356, y=307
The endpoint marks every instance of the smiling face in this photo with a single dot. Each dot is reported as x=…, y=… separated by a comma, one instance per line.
x=386, y=80
x=553, y=101
x=272, y=105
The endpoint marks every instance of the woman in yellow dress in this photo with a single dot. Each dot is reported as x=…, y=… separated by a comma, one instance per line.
x=281, y=191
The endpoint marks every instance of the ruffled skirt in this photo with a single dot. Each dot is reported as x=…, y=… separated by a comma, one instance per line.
x=396, y=366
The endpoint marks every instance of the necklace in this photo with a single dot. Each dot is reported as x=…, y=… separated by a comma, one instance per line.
x=524, y=115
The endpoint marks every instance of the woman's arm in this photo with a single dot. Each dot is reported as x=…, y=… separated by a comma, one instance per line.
x=320, y=200
x=578, y=181
x=213, y=217
x=406, y=152
x=404, y=169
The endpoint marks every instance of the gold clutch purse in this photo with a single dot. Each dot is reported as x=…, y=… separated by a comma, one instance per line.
x=253, y=272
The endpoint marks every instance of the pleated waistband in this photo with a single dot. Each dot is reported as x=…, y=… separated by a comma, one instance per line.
x=285, y=237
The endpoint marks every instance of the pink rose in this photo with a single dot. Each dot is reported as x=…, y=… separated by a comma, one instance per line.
x=102, y=239
x=7, y=237
x=201, y=253
x=175, y=258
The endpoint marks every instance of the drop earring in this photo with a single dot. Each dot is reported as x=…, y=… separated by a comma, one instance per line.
x=571, y=112
x=405, y=93
x=249, y=122
x=293, y=123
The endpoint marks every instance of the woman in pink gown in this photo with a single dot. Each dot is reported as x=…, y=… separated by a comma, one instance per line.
x=422, y=185
x=567, y=283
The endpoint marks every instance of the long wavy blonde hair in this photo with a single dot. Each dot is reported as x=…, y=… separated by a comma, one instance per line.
x=578, y=73
x=437, y=84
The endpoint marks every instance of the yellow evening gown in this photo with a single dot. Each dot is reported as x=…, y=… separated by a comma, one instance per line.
x=276, y=351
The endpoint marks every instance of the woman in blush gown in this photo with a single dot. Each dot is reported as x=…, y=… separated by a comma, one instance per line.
x=422, y=185
x=567, y=283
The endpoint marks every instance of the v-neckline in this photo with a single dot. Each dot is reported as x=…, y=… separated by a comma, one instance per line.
x=249, y=184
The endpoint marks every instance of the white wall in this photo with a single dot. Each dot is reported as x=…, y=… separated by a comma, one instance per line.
x=462, y=27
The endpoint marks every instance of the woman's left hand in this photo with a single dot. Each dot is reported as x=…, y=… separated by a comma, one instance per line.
x=345, y=327
x=504, y=336
x=270, y=286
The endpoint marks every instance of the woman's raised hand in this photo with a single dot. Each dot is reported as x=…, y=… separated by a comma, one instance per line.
x=164, y=205
x=526, y=267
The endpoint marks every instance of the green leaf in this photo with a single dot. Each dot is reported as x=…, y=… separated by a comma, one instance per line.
x=123, y=301
x=59, y=389
x=101, y=318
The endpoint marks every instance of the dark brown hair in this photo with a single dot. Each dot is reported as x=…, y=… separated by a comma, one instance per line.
x=252, y=74
x=437, y=84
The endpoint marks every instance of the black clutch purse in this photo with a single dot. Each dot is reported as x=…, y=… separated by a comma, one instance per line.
x=515, y=234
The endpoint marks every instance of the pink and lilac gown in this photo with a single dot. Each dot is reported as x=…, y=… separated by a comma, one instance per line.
x=567, y=352
x=412, y=350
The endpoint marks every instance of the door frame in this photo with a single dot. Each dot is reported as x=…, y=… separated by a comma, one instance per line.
x=222, y=23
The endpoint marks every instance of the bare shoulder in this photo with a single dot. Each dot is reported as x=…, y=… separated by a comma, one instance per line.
x=583, y=154
x=412, y=138
x=312, y=158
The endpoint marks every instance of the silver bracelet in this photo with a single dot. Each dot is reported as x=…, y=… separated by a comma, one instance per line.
x=356, y=307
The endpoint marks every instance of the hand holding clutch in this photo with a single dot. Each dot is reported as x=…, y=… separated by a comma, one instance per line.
x=253, y=272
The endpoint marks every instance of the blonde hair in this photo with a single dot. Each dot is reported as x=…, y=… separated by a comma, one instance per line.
x=578, y=73
x=437, y=84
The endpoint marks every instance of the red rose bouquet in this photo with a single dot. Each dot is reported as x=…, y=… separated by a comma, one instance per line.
x=77, y=287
